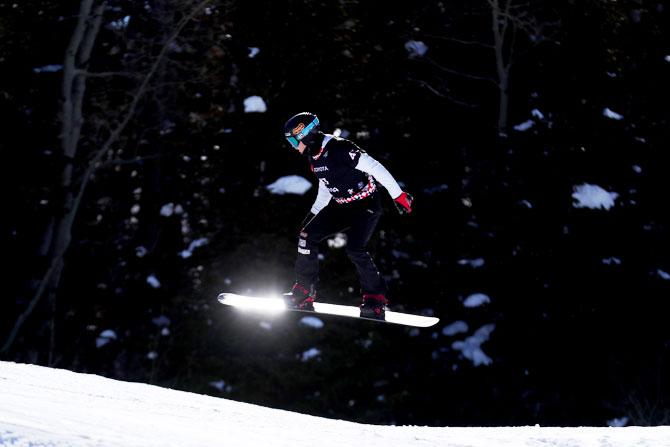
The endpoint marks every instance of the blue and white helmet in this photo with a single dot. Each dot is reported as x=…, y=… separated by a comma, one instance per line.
x=302, y=127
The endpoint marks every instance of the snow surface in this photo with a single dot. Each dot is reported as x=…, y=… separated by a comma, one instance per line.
x=253, y=51
x=476, y=300
x=310, y=354
x=415, y=48
x=192, y=246
x=312, y=322
x=105, y=337
x=53, y=68
x=524, y=126
x=153, y=281
x=255, y=104
x=471, y=346
x=528, y=124
x=57, y=408
x=291, y=184
x=593, y=196
x=119, y=24
x=474, y=263
x=609, y=113
x=339, y=240
x=457, y=327
x=169, y=209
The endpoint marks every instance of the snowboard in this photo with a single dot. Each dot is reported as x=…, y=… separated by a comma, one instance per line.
x=277, y=305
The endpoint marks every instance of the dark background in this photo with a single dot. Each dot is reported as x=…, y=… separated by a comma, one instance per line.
x=577, y=340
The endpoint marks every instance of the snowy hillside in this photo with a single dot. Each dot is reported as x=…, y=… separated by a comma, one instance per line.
x=49, y=407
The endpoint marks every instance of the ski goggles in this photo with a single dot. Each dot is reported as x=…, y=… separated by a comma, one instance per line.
x=298, y=133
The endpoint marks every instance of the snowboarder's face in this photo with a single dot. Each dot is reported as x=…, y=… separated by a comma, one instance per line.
x=297, y=144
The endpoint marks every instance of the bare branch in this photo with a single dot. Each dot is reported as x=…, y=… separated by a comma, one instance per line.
x=104, y=74
x=442, y=95
x=135, y=160
x=460, y=73
x=461, y=41
x=55, y=261
x=139, y=94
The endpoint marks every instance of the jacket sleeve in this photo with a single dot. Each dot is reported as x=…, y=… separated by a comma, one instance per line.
x=322, y=198
x=371, y=166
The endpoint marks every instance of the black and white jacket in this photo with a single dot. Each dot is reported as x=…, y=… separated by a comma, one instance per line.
x=347, y=173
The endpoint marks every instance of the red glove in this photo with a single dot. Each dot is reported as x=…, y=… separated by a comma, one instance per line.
x=404, y=203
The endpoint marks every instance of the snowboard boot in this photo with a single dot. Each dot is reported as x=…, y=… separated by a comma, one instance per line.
x=373, y=306
x=300, y=297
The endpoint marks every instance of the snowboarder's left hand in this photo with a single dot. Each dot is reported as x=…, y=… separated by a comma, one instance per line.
x=404, y=203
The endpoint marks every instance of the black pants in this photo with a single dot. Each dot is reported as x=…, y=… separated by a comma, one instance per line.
x=358, y=221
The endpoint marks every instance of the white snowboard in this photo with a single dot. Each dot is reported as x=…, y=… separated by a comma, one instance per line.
x=277, y=304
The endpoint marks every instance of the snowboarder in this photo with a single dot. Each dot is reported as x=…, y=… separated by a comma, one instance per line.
x=348, y=200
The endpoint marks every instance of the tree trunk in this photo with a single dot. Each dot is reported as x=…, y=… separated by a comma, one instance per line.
x=503, y=104
x=500, y=21
x=59, y=232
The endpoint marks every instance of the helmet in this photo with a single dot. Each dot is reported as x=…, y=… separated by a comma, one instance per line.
x=303, y=127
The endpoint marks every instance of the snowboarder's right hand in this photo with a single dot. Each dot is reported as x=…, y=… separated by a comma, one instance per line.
x=404, y=203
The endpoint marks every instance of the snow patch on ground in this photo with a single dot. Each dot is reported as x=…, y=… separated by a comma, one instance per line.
x=57, y=408
x=291, y=184
x=476, y=300
x=457, y=327
x=312, y=322
x=471, y=346
x=255, y=104
x=593, y=196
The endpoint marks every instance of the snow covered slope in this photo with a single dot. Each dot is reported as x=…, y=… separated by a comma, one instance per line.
x=49, y=407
